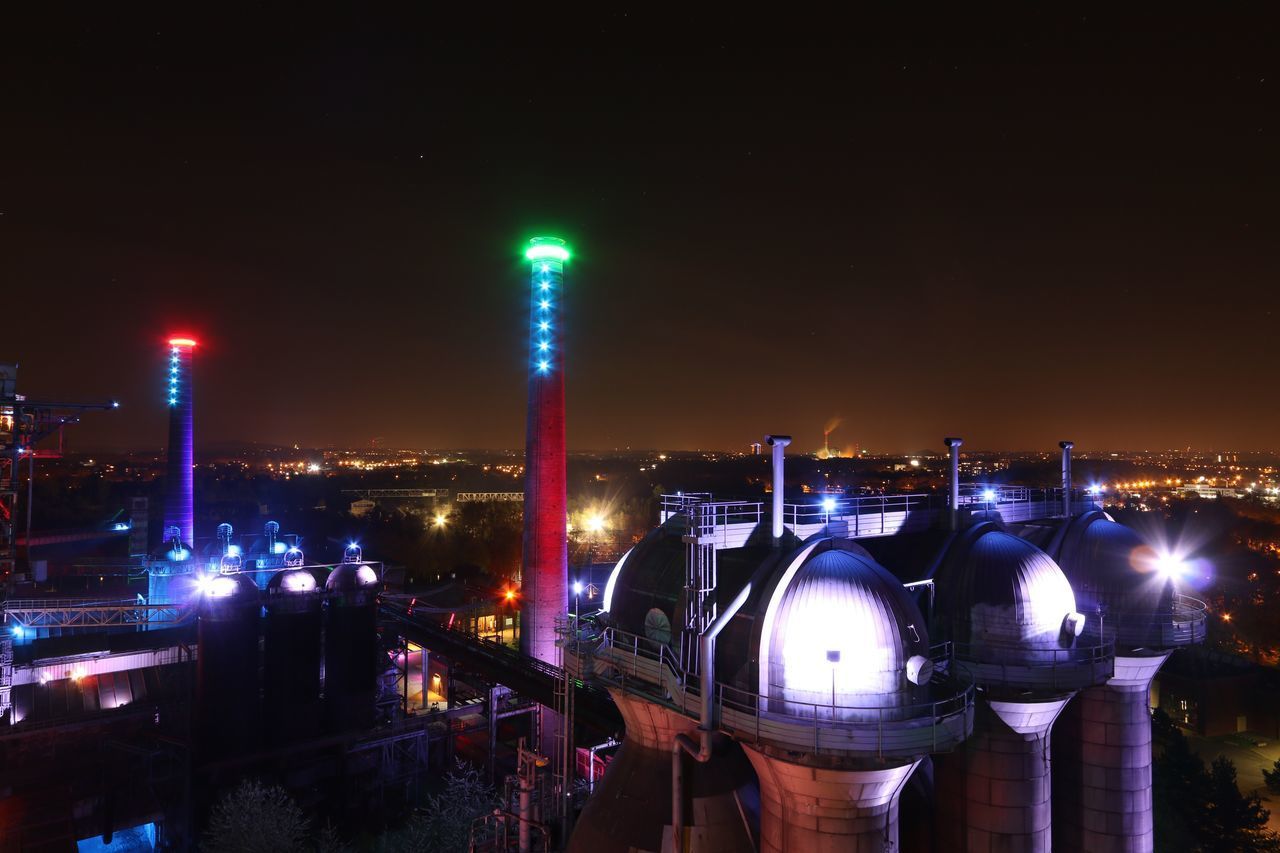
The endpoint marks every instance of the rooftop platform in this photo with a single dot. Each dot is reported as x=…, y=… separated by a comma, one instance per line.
x=730, y=523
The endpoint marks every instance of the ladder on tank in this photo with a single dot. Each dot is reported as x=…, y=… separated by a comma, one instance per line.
x=699, y=581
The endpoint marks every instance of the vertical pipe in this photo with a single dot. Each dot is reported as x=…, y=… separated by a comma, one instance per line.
x=526, y=814
x=1066, y=476
x=779, y=444
x=954, y=444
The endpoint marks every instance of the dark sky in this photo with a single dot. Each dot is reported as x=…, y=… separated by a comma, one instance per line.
x=1013, y=229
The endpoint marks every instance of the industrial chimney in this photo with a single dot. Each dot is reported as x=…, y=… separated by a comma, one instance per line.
x=546, y=546
x=179, y=505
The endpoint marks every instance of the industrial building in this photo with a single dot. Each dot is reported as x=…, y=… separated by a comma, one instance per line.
x=982, y=661
x=967, y=670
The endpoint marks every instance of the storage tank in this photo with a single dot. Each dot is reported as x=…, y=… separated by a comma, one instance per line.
x=848, y=703
x=631, y=808
x=1012, y=618
x=350, y=644
x=227, y=665
x=291, y=680
x=1102, y=743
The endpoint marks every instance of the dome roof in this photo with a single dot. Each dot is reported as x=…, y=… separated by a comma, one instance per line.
x=351, y=577
x=651, y=575
x=1001, y=593
x=840, y=629
x=292, y=582
x=225, y=594
x=1114, y=572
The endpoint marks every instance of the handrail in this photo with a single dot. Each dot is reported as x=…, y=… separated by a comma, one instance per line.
x=754, y=704
x=827, y=507
x=1033, y=658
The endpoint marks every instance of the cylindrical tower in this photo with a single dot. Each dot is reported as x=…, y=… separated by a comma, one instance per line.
x=351, y=646
x=291, y=687
x=1011, y=616
x=179, y=505
x=1102, y=744
x=544, y=577
x=227, y=664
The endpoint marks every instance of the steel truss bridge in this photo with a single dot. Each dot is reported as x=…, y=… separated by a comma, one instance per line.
x=33, y=613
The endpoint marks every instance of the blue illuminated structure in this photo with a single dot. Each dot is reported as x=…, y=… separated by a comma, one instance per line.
x=179, y=505
x=544, y=576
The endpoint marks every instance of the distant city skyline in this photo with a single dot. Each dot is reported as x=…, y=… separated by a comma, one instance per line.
x=1015, y=232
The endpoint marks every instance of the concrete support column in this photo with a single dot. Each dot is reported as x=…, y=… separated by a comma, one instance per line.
x=630, y=810
x=993, y=794
x=808, y=809
x=1102, y=771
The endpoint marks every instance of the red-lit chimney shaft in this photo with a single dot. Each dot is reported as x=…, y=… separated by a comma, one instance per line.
x=546, y=547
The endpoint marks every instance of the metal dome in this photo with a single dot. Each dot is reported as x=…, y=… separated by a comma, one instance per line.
x=1005, y=598
x=351, y=578
x=840, y=631
x=292, y=582
x=1122, y=579
x=223, y=595
x=652, y=574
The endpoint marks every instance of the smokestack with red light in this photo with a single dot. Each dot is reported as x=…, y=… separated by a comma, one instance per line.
x=546, y=548
x=179, y=504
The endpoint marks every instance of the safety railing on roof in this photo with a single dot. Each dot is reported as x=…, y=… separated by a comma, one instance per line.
x=651, y=669
x=876, y=515
x=865, y=514
x=1182, y=623
x=1017, y=666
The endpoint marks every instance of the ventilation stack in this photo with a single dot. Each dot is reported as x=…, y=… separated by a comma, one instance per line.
x=1011, y=616
x=1102, y=744
x=179, y=502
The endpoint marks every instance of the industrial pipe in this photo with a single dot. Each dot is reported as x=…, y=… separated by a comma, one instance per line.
x=1066, y=476
x=778, y=443
x=954, y=444
x=701, y=749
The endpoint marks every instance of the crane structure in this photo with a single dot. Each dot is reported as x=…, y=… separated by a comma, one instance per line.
x=24, y=424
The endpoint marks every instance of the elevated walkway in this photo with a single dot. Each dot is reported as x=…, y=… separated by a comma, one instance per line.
x=527, y=676
x=650, y=670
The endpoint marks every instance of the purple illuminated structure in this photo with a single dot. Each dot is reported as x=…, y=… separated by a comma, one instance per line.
x=179, y=507
x=546, y=549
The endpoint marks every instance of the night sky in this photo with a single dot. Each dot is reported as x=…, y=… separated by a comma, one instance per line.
x=1014, y=229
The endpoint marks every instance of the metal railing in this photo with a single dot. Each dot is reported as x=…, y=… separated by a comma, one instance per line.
x=75, y=613
x=1182, y=623
x=1031, y=668
x=868, y=515
x=651, y=669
